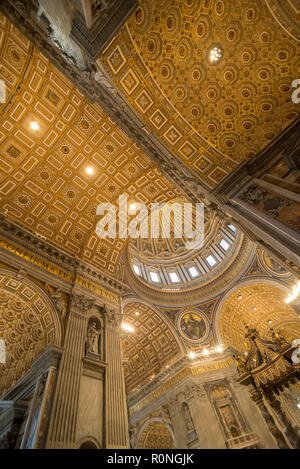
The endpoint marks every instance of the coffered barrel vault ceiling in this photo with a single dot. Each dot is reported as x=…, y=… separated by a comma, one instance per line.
x=212, y=116
x=151, y=346
x=43, y=180
x=256, y=305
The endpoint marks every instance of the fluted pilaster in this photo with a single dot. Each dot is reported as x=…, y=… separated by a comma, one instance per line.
x=62, y=429
x=116, y=418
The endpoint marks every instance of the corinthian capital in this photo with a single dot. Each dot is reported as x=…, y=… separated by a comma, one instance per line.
x=112, y=316
x=80, y=303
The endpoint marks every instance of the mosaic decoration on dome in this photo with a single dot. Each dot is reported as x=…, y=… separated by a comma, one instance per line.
x=272, y=266
x=44, y=184
x=171, y=243
x=192, y=326
x=212, y=116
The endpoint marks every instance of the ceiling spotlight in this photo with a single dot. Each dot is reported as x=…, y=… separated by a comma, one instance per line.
x=269, y=322
x=240, y=297
x=191, y=355
x=219, y=349
x=127, y=327
x=34, y=125
x=254, y=309
x=215, y=54
x=137, y=313
x=205, y=351
x=89, y=170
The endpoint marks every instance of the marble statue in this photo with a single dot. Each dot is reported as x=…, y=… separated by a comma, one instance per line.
x=92, y=340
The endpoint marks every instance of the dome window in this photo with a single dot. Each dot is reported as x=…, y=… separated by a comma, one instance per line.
x=193, y=271
x=211, y=260
x=224, y=244
x=154, y=277
x=174, y=277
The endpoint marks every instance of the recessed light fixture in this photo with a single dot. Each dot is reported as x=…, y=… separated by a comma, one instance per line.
x=254, y=309
x=137, y=313
x=219, y=349
x=34, y=125
x=269, y=322
x=215, y=54
x=240, y=297
x=191, y=355
x=89, y=170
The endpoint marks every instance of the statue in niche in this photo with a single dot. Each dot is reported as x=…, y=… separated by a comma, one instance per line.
x=59, y=302
x=92, y=340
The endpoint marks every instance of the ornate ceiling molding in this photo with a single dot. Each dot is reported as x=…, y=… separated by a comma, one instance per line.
x=23, y=238
x=24, y=15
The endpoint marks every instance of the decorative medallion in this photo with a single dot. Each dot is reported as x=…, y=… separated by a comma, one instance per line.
x=193, y=326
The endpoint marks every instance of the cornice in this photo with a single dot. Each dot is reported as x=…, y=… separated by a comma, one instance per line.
x=258, y=166
x=36, y=245
x=176, y=372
